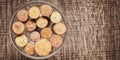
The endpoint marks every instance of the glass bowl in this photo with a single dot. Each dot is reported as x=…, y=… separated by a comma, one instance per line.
x=12, y=35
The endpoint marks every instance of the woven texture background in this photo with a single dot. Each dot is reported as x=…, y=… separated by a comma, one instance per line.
x=93, y=29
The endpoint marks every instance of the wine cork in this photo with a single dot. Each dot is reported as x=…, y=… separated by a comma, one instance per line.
x=42, y=22
x=46, y=33
x=56, y=40
x=30, y=26
x=46, y=10
x=55, y=17
x=18, y=27
x=21, y=41
x=22, y=15
x=35, y=36
x=29, y=49
x=43, y=47
x=34, y=12
x=59, y=28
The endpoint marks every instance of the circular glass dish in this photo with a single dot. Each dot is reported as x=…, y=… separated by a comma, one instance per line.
x=12, y=35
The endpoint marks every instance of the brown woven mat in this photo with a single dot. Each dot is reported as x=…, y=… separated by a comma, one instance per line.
x=93, y=30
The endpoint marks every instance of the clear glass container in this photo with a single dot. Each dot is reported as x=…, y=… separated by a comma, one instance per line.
x=26, y=6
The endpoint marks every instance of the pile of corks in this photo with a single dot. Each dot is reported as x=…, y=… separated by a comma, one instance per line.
x=50, y=27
